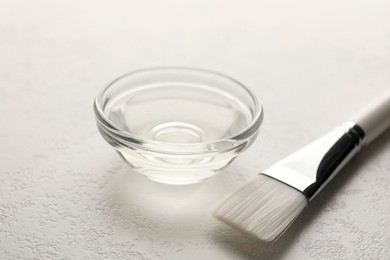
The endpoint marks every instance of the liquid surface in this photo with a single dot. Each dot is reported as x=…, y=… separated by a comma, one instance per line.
x=179, y=114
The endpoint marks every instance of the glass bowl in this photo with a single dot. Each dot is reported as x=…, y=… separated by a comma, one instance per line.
x=177, y=125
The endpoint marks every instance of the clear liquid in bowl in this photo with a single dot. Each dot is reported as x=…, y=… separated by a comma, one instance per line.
x=179, y=114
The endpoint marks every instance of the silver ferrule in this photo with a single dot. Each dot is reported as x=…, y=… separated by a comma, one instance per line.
x=313, y=166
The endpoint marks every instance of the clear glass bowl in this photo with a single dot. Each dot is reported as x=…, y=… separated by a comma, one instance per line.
x=177, y=125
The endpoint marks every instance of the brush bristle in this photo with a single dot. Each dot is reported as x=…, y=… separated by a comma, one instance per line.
x=264, y=207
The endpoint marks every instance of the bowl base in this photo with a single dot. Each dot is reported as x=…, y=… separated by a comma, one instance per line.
x=174, y=181
x=175, y=171
x=177, y=132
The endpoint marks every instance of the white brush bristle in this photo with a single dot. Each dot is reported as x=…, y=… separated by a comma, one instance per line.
x=265, y=208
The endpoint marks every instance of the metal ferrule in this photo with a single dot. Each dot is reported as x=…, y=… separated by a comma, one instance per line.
x=312, y=167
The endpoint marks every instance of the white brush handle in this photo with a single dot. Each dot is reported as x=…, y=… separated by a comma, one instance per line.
x=375, y=118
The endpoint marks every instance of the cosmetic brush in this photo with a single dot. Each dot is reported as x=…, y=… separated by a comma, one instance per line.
x=269, y=204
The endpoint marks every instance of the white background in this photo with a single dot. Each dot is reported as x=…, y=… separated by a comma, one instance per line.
x=65, y=193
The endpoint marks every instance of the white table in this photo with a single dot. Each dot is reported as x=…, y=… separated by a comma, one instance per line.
x=64, y=192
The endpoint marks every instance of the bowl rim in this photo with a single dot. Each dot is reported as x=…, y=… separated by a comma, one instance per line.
x=110, y=128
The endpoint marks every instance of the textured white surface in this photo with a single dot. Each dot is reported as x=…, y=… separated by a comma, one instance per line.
x=65, y=194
